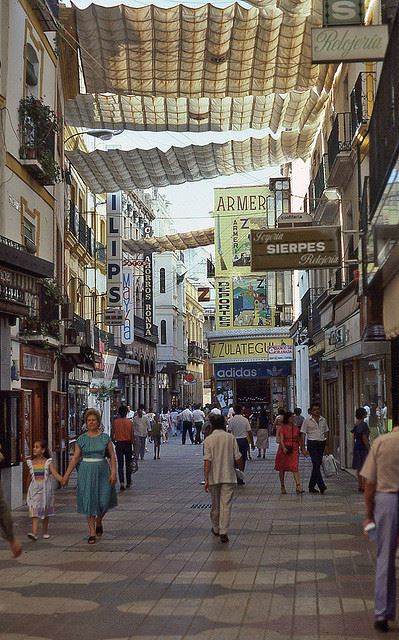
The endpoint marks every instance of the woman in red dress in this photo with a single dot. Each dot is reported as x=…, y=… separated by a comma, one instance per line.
x=287, y=456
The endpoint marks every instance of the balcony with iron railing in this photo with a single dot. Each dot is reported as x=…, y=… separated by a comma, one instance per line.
x=195, y=352
x=339, y=150
x=101, y=253
x=362, y=101
x=80, y=229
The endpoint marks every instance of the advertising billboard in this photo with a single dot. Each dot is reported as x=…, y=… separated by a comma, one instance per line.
x=298, y=248
x=237, y=211
x=255, y=349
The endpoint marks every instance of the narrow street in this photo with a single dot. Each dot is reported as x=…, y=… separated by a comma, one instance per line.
x=295, y=567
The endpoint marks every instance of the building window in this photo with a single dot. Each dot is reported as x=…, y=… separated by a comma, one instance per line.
x=31, y=70
x=162, y=281
x=29, y=235
x=163, y=331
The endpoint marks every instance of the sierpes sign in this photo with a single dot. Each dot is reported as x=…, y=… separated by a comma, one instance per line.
x=298, y=248
x=349, y=44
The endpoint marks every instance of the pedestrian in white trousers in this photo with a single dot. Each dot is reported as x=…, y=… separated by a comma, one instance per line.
x=221, y=453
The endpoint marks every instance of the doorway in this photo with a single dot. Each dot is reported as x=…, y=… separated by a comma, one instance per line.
x=35, y=419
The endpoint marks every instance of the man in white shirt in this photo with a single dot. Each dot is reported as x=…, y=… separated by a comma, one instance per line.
x=220, y=453
x=315, y=429
x=173, y=416
x=199, y=419
x=140, y=424
x=130, y=413
x=215, y=411
x=241, y=429
x=186, y=418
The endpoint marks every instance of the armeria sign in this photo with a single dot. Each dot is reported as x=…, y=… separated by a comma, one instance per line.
x=298, y=248
x=349, y=44
x=114, y=249
x=127, y=333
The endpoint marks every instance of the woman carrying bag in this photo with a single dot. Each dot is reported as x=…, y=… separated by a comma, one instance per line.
x=287, y=456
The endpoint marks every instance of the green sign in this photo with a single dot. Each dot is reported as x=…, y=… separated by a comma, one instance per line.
x=343, y=12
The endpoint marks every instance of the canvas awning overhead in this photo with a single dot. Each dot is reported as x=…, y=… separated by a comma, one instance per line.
x=176, y=242
x=206, y=51
x=147, y=113
x=115, y=169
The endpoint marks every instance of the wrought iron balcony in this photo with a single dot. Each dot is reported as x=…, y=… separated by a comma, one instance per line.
x=196, y=352
x=101, y=253
x=362, y=101
x=320, y=180
x=339, y=150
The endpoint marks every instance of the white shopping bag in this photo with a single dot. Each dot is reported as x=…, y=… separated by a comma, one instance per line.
x=329, y=465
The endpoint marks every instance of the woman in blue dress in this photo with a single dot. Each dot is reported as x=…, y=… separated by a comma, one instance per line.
x=96, y=476
x=361, y=444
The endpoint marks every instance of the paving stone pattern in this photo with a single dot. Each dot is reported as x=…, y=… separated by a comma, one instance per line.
x=296, y=566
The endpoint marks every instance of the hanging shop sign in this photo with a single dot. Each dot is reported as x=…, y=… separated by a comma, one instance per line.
x=36, y=363
x=250, y=370
x=343, y=12
x=148, y=301
x=349, y=44
x=262, y=349
x=114, y=249
x=127, y=333
x=299, y=248
x=114, y=317
x=236, y=212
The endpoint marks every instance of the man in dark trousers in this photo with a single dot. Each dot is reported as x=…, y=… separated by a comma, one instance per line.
x=381, y=493
x=123, y=436
x=315, y=429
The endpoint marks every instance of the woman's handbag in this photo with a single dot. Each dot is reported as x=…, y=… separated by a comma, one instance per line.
x=329, y=465
x=134, y=465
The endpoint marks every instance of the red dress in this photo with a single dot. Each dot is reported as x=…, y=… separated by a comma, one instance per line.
x=288, y=461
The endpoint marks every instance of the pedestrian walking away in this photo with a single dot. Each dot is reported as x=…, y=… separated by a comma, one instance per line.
x=361, y=444
x=122, y=435
x=96, y=476
x=287, y=457
x=6, y=523
x=186, y=418
x=262, y=434
x=40, y=496
x=156, y=433
x=315, y=429
x=221, y=454
x=198, y=419
x=241, y=429
x=381, y=493
x=140, y=424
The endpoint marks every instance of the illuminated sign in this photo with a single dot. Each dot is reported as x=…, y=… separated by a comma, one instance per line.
x=114, y=249
x=127, y=332
x=269, y=349
x=148, y=308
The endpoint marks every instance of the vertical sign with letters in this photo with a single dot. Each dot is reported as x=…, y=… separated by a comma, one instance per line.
x=148, y=310
x=127, y=333
x=114, y=249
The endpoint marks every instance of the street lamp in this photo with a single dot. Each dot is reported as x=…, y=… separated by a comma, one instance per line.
x=101, y=134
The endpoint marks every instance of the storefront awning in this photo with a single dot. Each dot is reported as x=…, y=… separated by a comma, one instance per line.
x=175, y=242
x=291, y=111
x=202, y=51
x=115, y=169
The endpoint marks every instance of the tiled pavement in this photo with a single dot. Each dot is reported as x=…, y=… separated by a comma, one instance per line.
x=295, y=567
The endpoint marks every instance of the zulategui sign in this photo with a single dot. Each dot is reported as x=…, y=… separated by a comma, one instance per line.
x=298, y=248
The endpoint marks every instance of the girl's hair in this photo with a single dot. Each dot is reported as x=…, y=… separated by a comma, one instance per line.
x=93, y=412
x=286, y=417
x=360, y=413
x=43, y=445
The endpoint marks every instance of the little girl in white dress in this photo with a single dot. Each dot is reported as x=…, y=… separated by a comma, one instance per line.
x=40, y=498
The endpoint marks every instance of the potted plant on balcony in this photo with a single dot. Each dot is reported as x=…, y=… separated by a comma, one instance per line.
x=38, y=126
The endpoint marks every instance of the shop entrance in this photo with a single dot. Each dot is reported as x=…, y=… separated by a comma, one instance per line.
x=255, y=392
x=35, y=419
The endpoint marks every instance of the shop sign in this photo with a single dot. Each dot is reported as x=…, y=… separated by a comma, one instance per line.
x=148, y=302
x=244, y=301
x=114, y=317
x=349, y=44
x=250, y=370
x=297, y=248
x=35, y=363
x=344, y=12
x=237, y=211
x=114, y=249
x=263, y=349
x=127, y=333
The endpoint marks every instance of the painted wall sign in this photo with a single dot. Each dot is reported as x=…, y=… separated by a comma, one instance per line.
x=127, y=332
x=343, y=12
x=114, y=249
x=349, y=44
x=248, y=370
x=262, y=349
x=148, y=302
x=298, y=248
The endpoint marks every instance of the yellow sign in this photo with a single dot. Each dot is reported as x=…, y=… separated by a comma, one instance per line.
x=237, y=211
x=251, y=350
